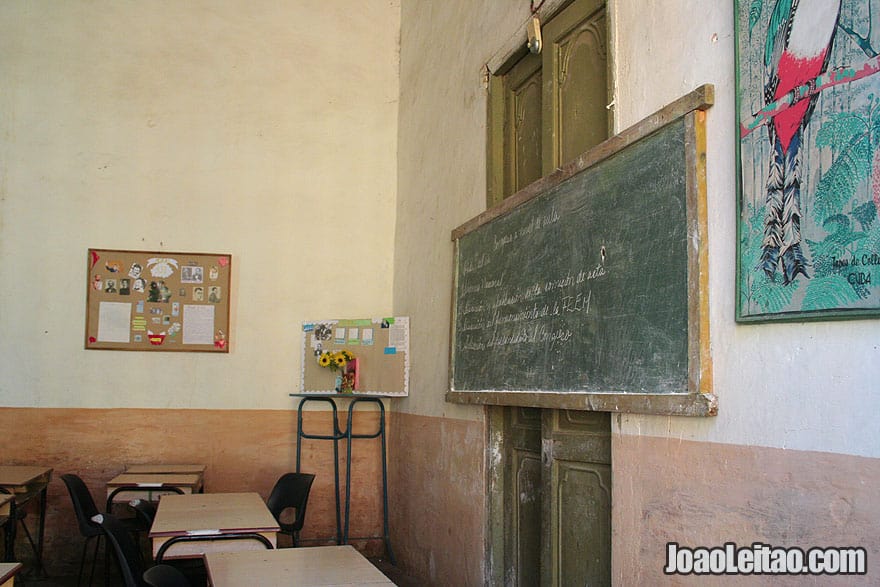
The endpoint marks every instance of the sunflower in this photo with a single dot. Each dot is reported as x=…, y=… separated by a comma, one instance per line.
x=339, y=359
x=325, y=359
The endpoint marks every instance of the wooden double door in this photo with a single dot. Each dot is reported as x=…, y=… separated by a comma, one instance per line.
x=550, y=497
x=550, y=469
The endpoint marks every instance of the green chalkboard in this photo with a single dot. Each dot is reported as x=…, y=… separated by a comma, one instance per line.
x=584, y=288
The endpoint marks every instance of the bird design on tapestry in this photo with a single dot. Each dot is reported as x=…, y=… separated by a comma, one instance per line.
x=799, y=40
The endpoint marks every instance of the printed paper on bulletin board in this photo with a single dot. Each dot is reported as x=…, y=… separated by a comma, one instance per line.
x=158, y=301
x=380, y=345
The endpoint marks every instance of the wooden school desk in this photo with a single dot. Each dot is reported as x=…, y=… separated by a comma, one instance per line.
x=171, y=469
x=26, y=482
x=8, y=571
x=295, y=567
x=206, y=516
x=150, y=486
x=167, y=469
x=7, y=502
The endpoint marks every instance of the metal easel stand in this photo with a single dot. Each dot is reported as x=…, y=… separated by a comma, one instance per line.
x=336, y=436
x=348, y=435
x=380, y=433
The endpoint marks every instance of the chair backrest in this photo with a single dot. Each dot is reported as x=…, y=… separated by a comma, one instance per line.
x=83, y=504
x=128, y=555
x=291, y=491
x=165, y=576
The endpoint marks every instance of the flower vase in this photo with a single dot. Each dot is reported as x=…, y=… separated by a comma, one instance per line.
x=338, y=385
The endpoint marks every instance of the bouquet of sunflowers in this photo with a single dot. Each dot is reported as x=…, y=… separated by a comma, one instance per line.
x=335, y=361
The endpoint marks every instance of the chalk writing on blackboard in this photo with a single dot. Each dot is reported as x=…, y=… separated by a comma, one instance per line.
x=581, y=285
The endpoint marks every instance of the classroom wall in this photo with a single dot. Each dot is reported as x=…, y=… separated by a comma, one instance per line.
x=792, y=457
x=438, y=472
x=251, y=129
x=262, y=129
x=248, y=128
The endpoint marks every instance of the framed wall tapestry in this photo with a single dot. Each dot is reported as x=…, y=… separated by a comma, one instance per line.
x=808, y=153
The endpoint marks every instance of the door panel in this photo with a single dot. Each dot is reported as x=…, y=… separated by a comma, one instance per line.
x=523, y=121
x=576, y=94
x=582, y=526
x=576, y=535
x=524, y=496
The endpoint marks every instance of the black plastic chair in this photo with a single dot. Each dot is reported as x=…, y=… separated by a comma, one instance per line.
x=291, y=491
x=85, y=509
x=130, y=561
x=165, y=576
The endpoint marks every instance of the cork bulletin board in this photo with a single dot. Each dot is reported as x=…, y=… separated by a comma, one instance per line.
x=378, y=346
x=157, y=301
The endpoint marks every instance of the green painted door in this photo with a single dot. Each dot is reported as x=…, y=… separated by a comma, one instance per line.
x=524, y=496
x=576, y=492
x=550, y=477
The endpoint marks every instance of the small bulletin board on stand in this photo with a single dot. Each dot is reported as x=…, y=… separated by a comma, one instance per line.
x=368, y=356
x=157, y=301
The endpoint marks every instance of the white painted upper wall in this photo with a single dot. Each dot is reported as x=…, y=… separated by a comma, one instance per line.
x=807, y=386
x=263, y=129
x=270, y=131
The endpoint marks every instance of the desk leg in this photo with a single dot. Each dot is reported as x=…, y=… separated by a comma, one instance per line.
x=42, y=530
x=9, y=531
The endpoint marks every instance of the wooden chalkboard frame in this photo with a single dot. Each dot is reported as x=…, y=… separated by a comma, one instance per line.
x=158, y=301
x=698, y=399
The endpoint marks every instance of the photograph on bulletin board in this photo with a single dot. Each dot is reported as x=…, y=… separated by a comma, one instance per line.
x=158, y=301
x=368, y=356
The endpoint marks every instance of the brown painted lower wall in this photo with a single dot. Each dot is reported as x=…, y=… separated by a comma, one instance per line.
x=693, y=493
x=706, y=494
x=244, y=450
x=438, y=499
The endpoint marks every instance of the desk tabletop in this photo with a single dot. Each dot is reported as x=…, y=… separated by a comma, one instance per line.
x=297, y=567
x=8, y=571
x=163, y=469
x=187, y=480
x=21, y=476
x=178, y=515
x=203, y=515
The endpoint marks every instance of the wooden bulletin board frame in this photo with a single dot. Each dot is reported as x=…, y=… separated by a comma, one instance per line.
x=380, y=345
x=157, y=301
